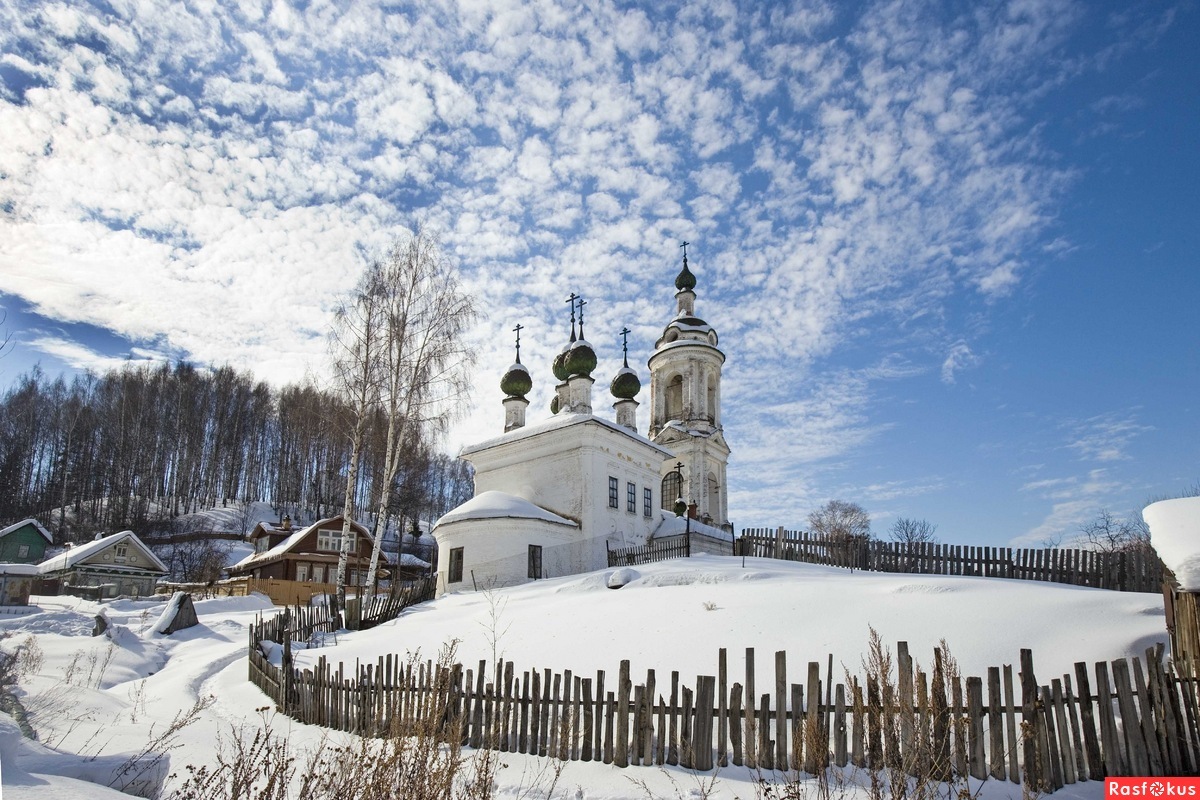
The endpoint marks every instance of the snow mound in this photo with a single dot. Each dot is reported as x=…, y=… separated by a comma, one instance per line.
x=1175, y=534
x=621, y=577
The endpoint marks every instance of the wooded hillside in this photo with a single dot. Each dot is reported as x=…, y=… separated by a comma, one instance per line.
x=139, y=446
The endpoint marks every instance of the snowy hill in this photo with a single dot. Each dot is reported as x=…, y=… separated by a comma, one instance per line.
x=104, y=695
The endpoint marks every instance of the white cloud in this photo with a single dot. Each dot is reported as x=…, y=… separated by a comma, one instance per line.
x=959, y=358
x=834, y=167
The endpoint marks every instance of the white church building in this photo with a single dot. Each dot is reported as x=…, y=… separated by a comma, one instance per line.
x=553, y=498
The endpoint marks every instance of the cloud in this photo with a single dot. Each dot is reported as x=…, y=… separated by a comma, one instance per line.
x=1105, y=437
x=960, y=357
x=211, y=178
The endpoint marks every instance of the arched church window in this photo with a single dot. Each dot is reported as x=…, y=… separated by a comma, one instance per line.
x=672, y=489
x=674, y=398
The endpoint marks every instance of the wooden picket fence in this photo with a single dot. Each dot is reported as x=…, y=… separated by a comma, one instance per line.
x=933, y=725
x=1135, y=571
x=650, y=553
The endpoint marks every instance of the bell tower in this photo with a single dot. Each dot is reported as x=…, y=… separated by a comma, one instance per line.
x=685, y=407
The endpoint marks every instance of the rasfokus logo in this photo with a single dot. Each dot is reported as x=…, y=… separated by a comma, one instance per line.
x=1152, y=788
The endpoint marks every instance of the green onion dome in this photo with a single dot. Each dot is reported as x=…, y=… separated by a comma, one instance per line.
x=581, y=358
x=559, y=366
x=517, y=381
x=685, y=279
x=625, y=384
x=554, y=405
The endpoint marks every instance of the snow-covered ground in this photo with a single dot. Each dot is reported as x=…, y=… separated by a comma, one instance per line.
x=96, y=701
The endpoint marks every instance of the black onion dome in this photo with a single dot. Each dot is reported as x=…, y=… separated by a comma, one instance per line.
x=581, y=358
x=625, y=384
x=559, y=366
x=685, y=279
x=517, y=381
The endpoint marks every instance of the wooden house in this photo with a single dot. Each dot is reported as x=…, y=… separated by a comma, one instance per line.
x=308, y=555
x=119, y=564
x=24, y=542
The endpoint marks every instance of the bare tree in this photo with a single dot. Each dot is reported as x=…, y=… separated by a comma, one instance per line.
x=913, y=531
x=1109, y=533
x=355, y=343
x=423, y=366
x=840, y=520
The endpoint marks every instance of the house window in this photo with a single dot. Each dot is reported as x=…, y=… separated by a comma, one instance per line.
x=631, y=498
x=23, y=551
x=302, y=572
x=318, y=575
x=456, y=565
x=330, y=540
x=353, y=578
x=647, y=501
x=613, y=488
x=120, y=552
x=261, y=543
x=535, y=561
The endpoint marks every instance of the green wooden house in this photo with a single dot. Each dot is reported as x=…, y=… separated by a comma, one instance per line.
x=24, y=542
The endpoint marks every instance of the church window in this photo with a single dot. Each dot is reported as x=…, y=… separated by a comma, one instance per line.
x=456, y=565
x=647, y=501
x=672, y=489
x=535, y=561
x=674, y=398
x=613, y=488
x=631, y=497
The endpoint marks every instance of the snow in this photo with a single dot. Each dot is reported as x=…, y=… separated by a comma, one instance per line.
x=95, y=700
x=75, y=555
x=556, y=423
x=1175, y=534
x=276, y=551
x=672, y=525
x=491, y=504
x=409, y=560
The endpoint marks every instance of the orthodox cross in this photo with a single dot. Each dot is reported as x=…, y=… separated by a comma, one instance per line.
x=684, y=246
x=571, y=300
x=518, y=332
x=624, y=334
x=582, y=303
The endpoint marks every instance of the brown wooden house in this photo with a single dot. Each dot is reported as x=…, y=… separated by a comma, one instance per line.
x=308, y=555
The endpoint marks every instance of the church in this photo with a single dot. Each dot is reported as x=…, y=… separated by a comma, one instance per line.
x=553, y=498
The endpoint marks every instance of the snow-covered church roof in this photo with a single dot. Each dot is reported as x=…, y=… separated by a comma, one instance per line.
x=493, y=504
x=556, y=423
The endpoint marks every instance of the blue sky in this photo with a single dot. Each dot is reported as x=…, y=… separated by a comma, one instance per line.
x=950, y=248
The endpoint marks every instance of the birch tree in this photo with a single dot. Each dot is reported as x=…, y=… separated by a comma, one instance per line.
x=355, y=349
x=423, y=358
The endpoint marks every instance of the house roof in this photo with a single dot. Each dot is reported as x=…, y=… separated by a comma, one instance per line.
x=494, y=504
x=18, y=525
x=75, y=555
x=290, y=543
